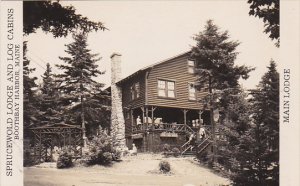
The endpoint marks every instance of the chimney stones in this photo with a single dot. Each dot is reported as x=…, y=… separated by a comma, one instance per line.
x=117, y=117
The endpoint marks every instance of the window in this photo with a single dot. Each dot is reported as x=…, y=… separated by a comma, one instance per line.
x=127, y=114
x=191, y=66
x=166, y=88
x=135, y=91
x=132, y=92
x=161, y=88
x=192, y=91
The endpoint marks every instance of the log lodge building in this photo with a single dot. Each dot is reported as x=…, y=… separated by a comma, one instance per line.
x=160, y=104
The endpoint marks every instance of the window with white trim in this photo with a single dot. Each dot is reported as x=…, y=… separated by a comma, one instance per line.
x=192, y=91
x=166, y=88
x=191, y=66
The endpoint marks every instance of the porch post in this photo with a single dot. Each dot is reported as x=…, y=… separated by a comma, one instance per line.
x=143, y=110
x=131, y=118
x=200, y=113
x=147, y=115
x=152, y=115
x=184, y=117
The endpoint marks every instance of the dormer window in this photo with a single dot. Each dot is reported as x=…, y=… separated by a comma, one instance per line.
x=191, y=66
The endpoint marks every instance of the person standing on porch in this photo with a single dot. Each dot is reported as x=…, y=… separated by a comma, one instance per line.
x=138, y=122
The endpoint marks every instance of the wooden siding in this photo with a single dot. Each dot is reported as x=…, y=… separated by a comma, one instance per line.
x=126, y=93
x=174, y=70
x=128, y=103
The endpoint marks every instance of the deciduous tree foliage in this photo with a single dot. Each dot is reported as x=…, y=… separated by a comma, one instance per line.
x=268, y=10
x=53, y=17
x=258, y=152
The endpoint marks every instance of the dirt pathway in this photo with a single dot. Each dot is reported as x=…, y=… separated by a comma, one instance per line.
x=138, y=170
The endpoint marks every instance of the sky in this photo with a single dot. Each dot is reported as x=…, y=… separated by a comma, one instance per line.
x=146, y=32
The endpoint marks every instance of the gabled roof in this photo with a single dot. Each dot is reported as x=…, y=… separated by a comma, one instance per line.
x=149, y=67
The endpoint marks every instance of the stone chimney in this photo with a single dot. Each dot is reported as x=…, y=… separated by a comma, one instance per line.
x=117, y=117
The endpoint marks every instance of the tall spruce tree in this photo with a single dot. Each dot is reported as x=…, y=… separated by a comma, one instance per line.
x=214, y=56
x=48, y=86
x=258, y=152
x=29, y=82
x=234, y=122
x=30, y=101
x=77, y=82
x=49, y=103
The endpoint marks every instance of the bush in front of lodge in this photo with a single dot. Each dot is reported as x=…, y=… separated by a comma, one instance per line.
x=64, y=160
x=100, y=150
x=168, y=152
x=175, y=152
x=164, y=166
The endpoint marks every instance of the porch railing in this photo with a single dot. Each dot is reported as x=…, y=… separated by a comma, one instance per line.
x=204, y=142
x=171, y=127
x=163, y=127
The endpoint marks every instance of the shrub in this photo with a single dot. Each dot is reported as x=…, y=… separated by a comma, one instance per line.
x=64, y=160
x=164, y=166
x=28, y=159
x=101, y=151
x=166, y=147
x=126, y=152
x=116, y=154
x=203, y=157
x=106, y=158
x=176, y=151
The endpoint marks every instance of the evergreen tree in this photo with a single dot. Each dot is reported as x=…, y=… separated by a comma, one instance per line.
x=30, y=102
x=48, y=86
x=29, y=82
x=214, y=57
x=234, y=122
x=77, y=84
x=50, y=98
x=97, y=114
x=258, y=156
